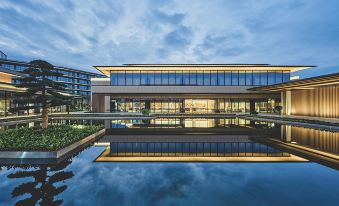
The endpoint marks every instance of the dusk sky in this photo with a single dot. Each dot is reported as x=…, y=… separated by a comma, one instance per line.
x=83, y=33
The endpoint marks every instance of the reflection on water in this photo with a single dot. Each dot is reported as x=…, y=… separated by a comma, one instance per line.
x=325, y=141
x=189, y=123
x=83, y=181
x=40, y=184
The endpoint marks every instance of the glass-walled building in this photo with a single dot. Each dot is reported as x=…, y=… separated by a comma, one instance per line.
x=77, y=82
x=188, y=88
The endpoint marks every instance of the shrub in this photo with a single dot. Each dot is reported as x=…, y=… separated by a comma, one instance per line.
x=145, y=112
x=38, y=139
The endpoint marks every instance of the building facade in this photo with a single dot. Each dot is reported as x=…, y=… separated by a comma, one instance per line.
x=316, y=96
x=77, y=82
x=188, y=88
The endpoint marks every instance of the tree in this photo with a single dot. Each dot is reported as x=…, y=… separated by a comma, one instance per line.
x=40, y=89
x=278, y=109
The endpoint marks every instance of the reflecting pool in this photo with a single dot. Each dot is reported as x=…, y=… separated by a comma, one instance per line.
x=82, y=179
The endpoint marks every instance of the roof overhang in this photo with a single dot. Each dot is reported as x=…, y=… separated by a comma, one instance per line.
x=309, y=83
x=201, y=67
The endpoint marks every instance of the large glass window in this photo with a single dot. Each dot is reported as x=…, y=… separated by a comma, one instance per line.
x=207, y=78
x=150, y=78
x=228, y=78
x=286, y=76
x=143, y=78
x=242, y=78
x=263, y=78
x=200, y=78
x=114, y=78
x=221, y=78
x=249, y=78
x=193, y=77
x=136, y=78
x=178, y=78
x=256, y=78
x=271, y=77
x=129, y=78
x=157, y=78
x=235, y=78
x=164, y=78
x=171, y=78
x=186, y=78
x=278, y=77
x=121, y=78
x=214, y=78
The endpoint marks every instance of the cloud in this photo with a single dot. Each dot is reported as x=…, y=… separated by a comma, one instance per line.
x=80, y=34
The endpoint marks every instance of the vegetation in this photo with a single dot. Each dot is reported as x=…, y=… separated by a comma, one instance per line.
x=53, y=138
x=145, y=112
x=40, y=89
x=278, y=109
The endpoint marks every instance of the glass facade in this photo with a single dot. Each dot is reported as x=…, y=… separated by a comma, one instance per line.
x=219, y=105
x=198, y=78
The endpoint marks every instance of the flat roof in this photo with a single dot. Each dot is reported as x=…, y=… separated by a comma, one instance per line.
x=308, y=83
x=202, y=67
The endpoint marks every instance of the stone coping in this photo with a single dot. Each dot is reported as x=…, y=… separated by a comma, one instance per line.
x=6, y=156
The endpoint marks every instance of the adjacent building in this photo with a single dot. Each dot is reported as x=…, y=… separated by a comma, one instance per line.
x=188, y=88
x=77, y=82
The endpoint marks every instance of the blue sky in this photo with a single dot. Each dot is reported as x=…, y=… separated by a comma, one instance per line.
x=84, y=33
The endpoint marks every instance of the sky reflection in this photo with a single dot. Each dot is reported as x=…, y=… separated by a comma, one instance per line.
x=190, y=183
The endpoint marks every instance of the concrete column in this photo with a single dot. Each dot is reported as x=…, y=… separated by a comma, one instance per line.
x=286, y=101
x=107, y=104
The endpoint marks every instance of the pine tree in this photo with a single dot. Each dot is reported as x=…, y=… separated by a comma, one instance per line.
x=40, y=90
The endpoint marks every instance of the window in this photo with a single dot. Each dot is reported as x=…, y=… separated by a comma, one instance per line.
x=286, y=76
x=207, y=78
x=200, y=78
x=121, y=78
x=143, y=78
x=271, y=77
x=150, y=78
x=178, y=78
x=164, y=78
x=114, y=78
x=193, y=77
x=214, y=78
x=228, y=78
x=221, y=78
x=136, y=77
x=256, y=78
x=157, y=78
x=242, y=78
x=235, y=78
x=171, y=78
x=249, y=78
x=263, y=78
x=129, y=78
x=278, y=77
x=186, y=78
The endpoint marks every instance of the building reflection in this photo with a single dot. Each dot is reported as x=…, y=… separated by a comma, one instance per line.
x=44, y=183
x=325, y=141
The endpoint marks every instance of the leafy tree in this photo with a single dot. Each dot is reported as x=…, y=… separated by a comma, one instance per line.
x=40, y=89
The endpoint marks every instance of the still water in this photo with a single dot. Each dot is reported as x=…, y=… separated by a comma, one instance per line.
x=83, y=180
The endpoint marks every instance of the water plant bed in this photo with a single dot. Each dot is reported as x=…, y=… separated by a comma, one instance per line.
x=54, y=138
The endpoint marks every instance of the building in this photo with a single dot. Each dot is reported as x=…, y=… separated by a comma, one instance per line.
x=316, y=96
x=188, y=88
x=8, y=91
x=77, y=82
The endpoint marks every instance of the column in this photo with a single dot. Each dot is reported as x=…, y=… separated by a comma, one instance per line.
x=107, y=104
